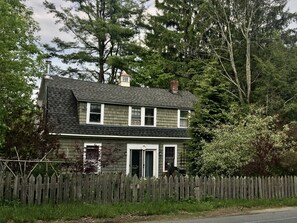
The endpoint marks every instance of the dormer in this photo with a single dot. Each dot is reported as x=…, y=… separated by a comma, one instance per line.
x=124, y=79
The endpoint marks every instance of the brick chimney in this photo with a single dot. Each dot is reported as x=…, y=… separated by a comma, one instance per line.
x=174, y=86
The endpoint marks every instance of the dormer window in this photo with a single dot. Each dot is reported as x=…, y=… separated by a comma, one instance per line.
x=182, y=118
x=136, y=116
x=142, y=116
x=95, y=113
x=125, y=79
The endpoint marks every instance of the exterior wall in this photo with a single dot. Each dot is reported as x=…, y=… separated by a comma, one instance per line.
x=166, y=118
x=73, y=148
x=116, y=115
x=82, y=112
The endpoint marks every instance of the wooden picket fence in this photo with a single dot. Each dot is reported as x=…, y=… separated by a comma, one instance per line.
x=114, y=188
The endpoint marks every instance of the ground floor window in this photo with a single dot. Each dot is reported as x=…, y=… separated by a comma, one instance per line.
x=142, y=160
x=169, y=157
x=92, y=158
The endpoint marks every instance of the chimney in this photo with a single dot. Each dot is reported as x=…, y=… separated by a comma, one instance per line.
x=48, y=67
x=124, y=79
x=174, y=86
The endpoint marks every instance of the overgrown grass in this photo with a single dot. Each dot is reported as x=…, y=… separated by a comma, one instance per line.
x=72, y=211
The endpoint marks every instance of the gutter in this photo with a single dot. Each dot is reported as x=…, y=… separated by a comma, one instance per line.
x=120, y=137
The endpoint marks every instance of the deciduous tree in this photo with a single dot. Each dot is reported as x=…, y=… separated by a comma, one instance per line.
x=19, y=61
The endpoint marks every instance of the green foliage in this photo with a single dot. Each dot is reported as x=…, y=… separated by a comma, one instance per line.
x=28, y=139
x=129, y=211
x=214, y=101
x=173, y=38
x=276, y=89
x=101, y=29
x=245, y=29
x=19, y=62
x=249, y=144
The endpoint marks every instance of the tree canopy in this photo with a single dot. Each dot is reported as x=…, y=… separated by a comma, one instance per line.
x=19, y=61
x=104, y=34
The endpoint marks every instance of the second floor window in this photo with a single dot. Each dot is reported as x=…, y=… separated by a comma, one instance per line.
x=149, y=116
x=142, y=116
x=183, y=116
x=136, y=116
x=95, y=113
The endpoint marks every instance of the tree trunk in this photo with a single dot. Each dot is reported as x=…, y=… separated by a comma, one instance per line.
x=248, y=68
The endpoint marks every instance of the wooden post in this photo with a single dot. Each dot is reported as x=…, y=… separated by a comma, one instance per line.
x=135, y=189
x=38, y=189
x=31, y=190
x=171, y=187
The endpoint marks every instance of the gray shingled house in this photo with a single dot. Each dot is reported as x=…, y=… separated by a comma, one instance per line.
x=144, y=128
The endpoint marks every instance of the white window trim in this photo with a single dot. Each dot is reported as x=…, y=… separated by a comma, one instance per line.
x=142, y=115
x=178, y=117
x=100, y=154
x=150, y=147
x=88, y=114
x=175, y=155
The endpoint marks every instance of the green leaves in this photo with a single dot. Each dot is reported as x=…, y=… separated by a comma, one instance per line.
x=19, y=61
x=251, y=144
x=101, y=29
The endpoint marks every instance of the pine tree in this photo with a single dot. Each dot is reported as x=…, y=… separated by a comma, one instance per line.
x=104, y=32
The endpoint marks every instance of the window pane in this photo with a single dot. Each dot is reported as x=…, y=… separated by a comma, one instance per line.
x=183, y=120
x=136, y=116
x=149, y=121
x=95, y=108
x=184, y=114
x=149, y=116
x=95, y=117
x=169, y=157
x=149, y=112
x=92, y=153
x=183, y=123
x=136, y=121
x=136, y=112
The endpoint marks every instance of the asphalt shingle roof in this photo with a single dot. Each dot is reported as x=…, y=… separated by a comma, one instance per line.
x=115, y=94
x=63, y=94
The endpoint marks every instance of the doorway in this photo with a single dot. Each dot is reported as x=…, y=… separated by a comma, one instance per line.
x=142, y=160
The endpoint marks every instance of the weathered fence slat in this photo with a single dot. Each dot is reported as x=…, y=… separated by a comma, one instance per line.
x=115, y=188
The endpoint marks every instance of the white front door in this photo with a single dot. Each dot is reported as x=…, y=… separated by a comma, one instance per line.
x=142, y=160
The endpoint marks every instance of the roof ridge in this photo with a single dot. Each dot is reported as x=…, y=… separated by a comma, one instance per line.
x=115, y=85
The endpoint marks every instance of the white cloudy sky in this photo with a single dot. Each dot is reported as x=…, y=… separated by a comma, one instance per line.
x=49, y=29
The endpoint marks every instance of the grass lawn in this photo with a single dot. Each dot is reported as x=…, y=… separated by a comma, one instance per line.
x=14, y=212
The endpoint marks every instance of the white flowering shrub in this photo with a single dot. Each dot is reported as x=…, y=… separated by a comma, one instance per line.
x=247, y=145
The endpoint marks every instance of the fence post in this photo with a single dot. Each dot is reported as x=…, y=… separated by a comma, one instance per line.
x=39, y=187
x=176, y=187
x=171, y=187
x=16, y=187
x=31, y=190
x=2, y=186
x=135, y=189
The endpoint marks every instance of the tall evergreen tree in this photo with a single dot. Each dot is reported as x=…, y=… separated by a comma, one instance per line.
x=277, y=85
x=104, y=31
x=214, y=101
x=175, y=34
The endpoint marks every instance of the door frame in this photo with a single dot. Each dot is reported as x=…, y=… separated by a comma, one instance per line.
x=144, y=147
